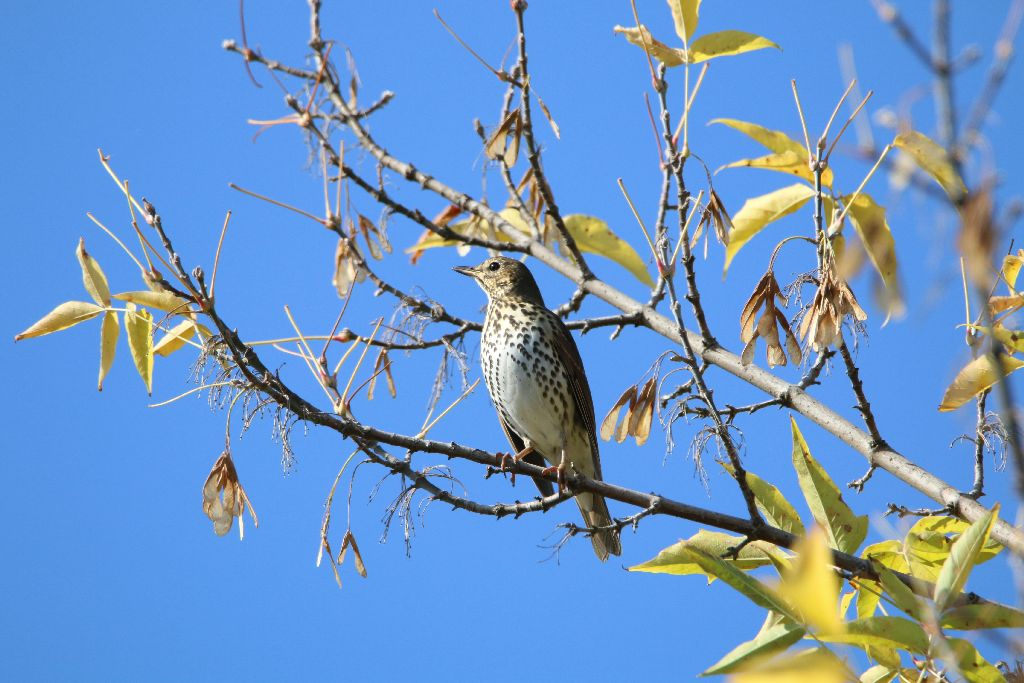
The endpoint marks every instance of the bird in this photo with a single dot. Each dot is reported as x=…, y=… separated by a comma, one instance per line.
x=536, y=380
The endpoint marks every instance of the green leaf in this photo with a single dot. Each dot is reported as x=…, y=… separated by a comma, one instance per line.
x=868, y=220
x=593, y=236
x=933, y=160
x=683, y=555
x=962, y=558
x=92, y=275
x=775, y=639
x=66, y=315
x=162, y=300
x=758, y=212
x=881, y=631
x=971, y=617
x=139, y=326
x=845, y=530
x=676, y=559
x=971, y=664
x=868, y=595
x=642, y=38
x=974, y=378
x=109, y=332
x=685, y=14
x=898, y=592
x=772, y=504
x=726, y=43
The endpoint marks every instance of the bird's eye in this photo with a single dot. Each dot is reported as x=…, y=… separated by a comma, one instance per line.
x=494, y=265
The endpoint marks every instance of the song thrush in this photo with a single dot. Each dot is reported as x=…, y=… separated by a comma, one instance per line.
x=536, y=380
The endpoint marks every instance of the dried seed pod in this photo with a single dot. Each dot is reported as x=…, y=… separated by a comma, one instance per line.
x=223, y=496
x=833, y=301
x=766, y=327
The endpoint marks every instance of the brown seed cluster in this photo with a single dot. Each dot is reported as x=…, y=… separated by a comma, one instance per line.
x=766, y=326
x=223, y=496
x=833, y=301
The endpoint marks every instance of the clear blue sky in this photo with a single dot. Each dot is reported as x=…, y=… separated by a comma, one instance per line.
x=110, y=570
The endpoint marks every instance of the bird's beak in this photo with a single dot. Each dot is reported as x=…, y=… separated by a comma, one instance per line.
x=465, y=270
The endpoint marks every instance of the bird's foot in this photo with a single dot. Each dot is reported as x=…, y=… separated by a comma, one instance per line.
x=504, y=465
x=559, y=472
x=506, y=460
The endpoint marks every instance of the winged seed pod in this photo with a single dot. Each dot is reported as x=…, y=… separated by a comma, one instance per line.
x=346, y=271
x=833, y=301
x=224, y=498
x=719, y=217
x=639, y=405
x=766, y=326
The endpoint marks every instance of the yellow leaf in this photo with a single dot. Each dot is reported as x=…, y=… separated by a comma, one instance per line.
x=1011, y=267
x=473, y=226
x=789, y=155
x=998, y=304
x=758, y=212
x=974, y=378
x=883, y=631
x=793, y=163
x=109, y=331
x=726, y=43
x=92, y=276
x=878, y=674
x=175, y=338
x=139, y=326
x=685, y=14
x=970, y=663
x=162, y=300
x=641, y=37
x=933, y=160
x=808, y=666
x=774, y=140
x=678, y=560
x=64, y=316
x=969, y=617
x=811, y=585
x=868, y=220
x=1012, y=339
x=593, y=236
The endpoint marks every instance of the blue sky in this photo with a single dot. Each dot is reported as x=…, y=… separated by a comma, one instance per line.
x=112, y=571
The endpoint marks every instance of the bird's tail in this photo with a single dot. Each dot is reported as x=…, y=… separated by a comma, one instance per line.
x=595, y=514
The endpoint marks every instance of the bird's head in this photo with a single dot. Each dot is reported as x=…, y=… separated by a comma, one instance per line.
x=502, y=277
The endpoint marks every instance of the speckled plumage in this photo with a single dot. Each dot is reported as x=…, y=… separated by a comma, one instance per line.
x=536, y=380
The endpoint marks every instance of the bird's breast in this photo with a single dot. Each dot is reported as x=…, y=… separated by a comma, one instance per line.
x=526, y=381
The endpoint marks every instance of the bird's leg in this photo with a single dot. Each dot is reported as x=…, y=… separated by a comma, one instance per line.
x=506, y=458
x=559, y=472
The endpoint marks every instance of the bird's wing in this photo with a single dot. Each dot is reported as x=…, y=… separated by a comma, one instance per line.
x=569, y=355
x=546, y=487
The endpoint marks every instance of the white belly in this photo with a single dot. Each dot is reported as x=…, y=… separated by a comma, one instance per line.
x=528, y=401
